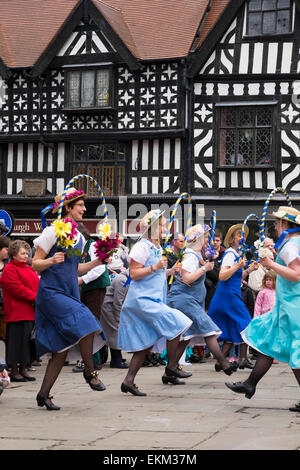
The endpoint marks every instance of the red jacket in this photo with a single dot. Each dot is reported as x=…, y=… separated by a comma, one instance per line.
x=19, y=286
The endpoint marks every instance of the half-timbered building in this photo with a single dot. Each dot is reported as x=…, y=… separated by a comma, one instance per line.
x=152, y=98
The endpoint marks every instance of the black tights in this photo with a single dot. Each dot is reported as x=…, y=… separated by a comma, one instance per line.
x=262, y=365
x=57, y=361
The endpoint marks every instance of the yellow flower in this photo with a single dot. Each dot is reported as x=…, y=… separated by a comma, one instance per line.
x=61, y=228
x=104, y=231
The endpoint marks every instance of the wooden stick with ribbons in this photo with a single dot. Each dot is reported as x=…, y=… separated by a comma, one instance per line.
x=212, y=224
x=264, y=212
x=189, y=224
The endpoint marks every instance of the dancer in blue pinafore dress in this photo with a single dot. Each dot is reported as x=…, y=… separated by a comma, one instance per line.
x=276, y=334
x=62, y=321
x=227, y=308
x=145, y=319
x=188, y=293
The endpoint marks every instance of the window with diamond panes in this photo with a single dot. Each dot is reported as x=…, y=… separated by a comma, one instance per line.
x=269, y=17
x=246, y=136
x=89, y=88
x=105, y=163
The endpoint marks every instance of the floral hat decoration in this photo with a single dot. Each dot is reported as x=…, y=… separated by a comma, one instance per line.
x=71, y=195
x=196, y=232
x=149, y=219
x=288, y=213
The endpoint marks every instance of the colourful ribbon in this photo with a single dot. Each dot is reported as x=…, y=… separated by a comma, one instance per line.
x=264, y=212
x=211, y=235
x=189, y=220
x=97, y=186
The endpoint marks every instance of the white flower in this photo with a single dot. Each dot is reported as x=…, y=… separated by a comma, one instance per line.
x=264, y=253
x=258, y=244
x=297, y=219
x=280, y=214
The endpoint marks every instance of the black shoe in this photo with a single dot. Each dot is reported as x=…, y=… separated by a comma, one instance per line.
x=41, y=401
x=16, y=379
x=119, y=365
x=241, y=387
x=296, y=407
x=172, y=380
x=246, y=364
x=232, y=368
x=99, y=387
x=178, y=372
x=218, y=367
x=29, y=378
x=132, y=389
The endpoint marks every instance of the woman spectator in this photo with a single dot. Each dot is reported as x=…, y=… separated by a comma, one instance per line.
x=19, y=285
x=4, y=244
x=227, y=308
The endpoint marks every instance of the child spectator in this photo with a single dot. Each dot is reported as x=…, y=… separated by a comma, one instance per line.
x=266, y=297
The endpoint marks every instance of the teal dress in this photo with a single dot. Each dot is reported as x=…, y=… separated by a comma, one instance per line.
x=277, y=333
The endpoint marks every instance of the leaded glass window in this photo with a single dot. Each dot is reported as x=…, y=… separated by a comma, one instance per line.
x=246, y=136
x=269, y=17
x=89, y=88
x=105, y=163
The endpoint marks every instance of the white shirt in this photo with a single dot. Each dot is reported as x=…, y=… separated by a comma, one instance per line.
x=229, y=258
x=95, y=272
x=48, y=239
x=140, y=252
x=289, y=252
x=190, y=261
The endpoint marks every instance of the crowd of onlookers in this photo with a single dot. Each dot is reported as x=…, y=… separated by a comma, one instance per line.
x=102, y=290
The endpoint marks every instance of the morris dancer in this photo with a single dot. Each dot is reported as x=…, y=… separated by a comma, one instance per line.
x=188, y=295
x=227, y=308
x=145, y=318
x=62, y=320
x=276, y=334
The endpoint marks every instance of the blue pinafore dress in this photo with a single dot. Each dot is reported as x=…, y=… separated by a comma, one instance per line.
x=277, y=333
x=145, y=319
x=61, y=319
x=227, y=308
x=190, y=299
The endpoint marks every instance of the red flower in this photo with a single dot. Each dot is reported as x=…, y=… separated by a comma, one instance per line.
x=105, y=248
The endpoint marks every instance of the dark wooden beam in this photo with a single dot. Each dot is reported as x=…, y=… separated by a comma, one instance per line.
x=57, y=42
x=122, y=49
x=197, y=59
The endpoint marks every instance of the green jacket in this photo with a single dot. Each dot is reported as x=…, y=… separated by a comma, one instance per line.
x=99, y=283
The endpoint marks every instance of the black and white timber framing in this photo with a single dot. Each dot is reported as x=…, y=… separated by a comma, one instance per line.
x=166, y=113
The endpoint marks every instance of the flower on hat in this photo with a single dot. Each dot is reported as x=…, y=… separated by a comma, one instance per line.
x=73, y=195
x=281, y=214
x=297, y=219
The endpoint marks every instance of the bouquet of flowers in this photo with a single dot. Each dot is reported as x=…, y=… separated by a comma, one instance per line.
x=262, y=252
x=245, y=249
x=107, y=244
x=210, y=253
x=66, y=232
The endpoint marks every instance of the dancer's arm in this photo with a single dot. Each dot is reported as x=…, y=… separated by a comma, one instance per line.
x=226, y=271
x=139, y=271
x=189, y=277
x=290, y=272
